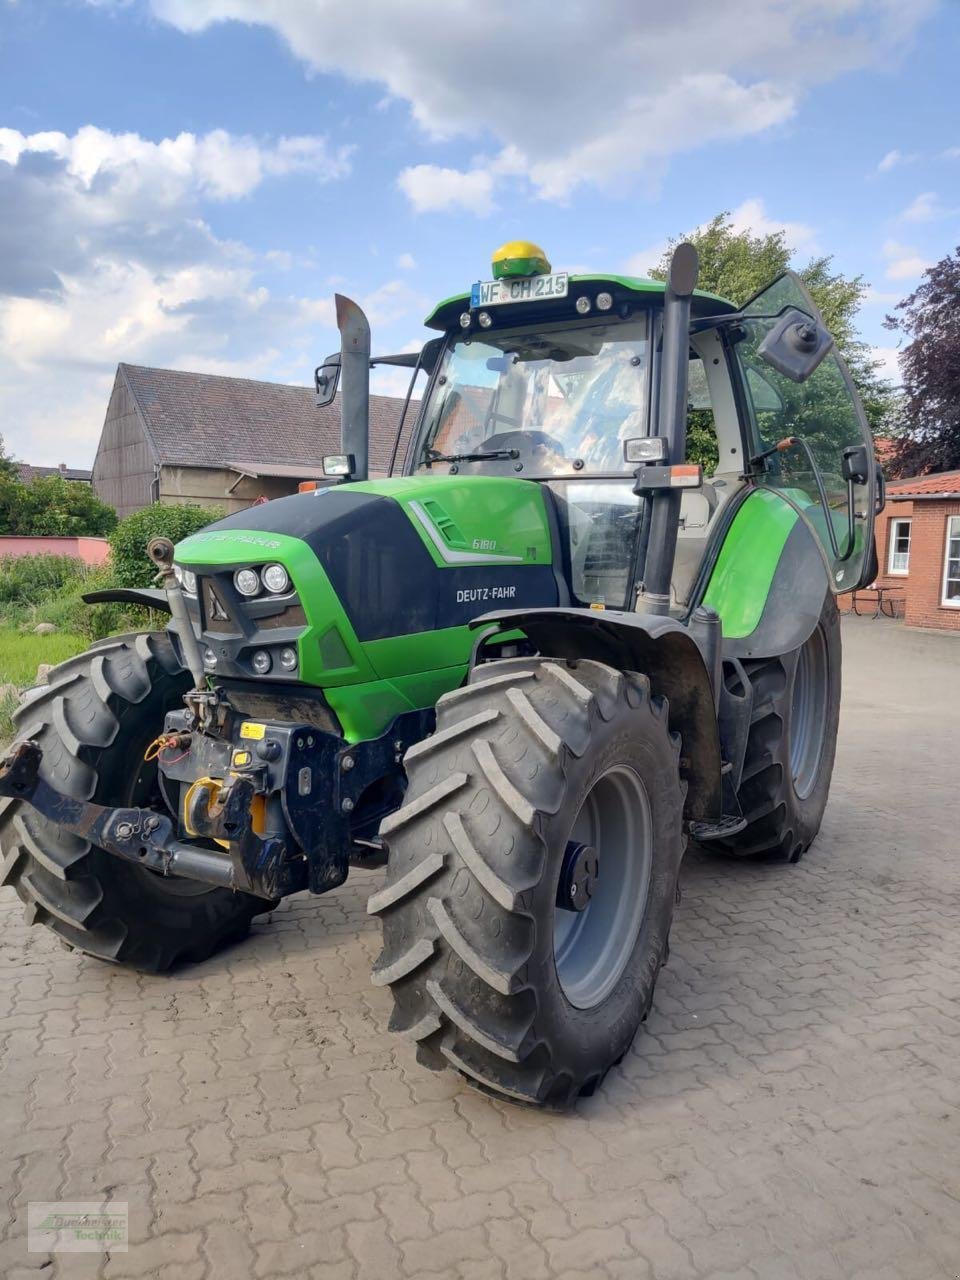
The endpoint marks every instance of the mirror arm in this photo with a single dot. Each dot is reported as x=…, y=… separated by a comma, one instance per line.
x=403, y=413
x=731, y=318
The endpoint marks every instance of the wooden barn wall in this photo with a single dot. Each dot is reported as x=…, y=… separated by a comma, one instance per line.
x=123, y=471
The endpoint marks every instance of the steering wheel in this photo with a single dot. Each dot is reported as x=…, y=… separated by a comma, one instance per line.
x=524, y=441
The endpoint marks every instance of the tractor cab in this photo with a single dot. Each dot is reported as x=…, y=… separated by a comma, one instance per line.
x=560, y=378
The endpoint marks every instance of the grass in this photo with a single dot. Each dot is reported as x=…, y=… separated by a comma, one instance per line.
x=20, y=655
x=22, y=652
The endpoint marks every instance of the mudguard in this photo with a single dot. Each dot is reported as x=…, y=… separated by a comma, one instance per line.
x=765, y=577
x=658, y=647
x=148, y=597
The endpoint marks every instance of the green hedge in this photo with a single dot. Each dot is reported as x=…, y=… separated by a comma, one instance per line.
x=129, y=566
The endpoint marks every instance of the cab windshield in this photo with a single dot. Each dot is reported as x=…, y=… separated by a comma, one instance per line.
x=557, y=402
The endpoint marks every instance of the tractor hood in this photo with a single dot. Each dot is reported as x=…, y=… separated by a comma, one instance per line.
x=384, y=578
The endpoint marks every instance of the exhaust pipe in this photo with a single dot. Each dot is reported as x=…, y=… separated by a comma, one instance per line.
x=671, y=426
x=354, y=385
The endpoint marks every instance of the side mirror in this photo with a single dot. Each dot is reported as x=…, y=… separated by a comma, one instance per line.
x=855, y=463
x=795, y=345
x=326, y=378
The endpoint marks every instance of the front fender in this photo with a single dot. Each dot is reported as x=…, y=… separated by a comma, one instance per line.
x=148, y=597
x=661, y=649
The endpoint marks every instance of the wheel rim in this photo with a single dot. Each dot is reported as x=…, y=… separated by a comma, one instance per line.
x=808, y=713
x=591, y=948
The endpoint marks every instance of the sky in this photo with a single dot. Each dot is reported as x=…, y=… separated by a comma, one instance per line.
x=187, y=183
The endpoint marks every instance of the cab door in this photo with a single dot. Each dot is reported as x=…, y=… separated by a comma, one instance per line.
x=828, y=473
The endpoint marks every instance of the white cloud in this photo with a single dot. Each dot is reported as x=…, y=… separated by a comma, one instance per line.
x=646, y=260
x=926, y=207
x=888, y=359
x=752, y=216
x=880, y=297
x=430, y=188
x=894, y=158
x=282, y=259
x=407, y=262
x=951, y=153
x=904, y=262
x=584, y=93
x=126, y=167
x=105, y=256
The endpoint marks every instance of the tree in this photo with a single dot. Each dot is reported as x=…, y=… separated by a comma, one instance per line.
x=929, y=435
x=51, y=505
x=738, y=264
x=8, y=468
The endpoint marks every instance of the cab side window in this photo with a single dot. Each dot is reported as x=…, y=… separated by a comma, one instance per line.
x=805, y=429
x=701, y=427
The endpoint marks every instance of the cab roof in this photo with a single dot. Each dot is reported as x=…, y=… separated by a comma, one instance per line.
x=446, y=314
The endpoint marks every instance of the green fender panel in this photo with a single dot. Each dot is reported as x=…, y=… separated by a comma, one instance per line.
x=769, y=581
x=743, y=574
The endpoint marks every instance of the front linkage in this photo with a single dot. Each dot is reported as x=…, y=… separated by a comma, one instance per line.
x=314, y=780
x=148, y=839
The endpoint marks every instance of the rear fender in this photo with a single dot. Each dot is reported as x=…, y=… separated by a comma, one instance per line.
x=658, y=647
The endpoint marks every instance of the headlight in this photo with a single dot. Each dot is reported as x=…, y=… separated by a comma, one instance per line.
x=261, y=662
x=247, y=581
x=187, y=579
x=288, y=659
x=276, y=578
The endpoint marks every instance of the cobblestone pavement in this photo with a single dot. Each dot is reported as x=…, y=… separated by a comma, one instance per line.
x=790, y=1109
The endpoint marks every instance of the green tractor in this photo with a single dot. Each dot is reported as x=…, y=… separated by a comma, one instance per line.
x=519, y=674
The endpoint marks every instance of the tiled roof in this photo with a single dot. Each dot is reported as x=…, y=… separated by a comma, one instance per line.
x=938, y=482
x=204, y=420
x=29, y=472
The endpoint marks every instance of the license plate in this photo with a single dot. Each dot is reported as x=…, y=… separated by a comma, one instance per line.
x=493, y=293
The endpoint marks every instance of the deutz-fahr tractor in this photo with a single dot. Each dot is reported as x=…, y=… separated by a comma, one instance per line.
x=520, y=673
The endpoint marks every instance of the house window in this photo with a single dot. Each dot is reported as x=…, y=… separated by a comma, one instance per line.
x=899, y=546
x=951, y=564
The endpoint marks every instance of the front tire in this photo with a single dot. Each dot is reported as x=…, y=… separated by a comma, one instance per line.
x=533, y=764
x=94, y=721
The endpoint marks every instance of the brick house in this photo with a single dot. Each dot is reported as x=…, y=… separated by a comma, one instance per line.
x=918, y=550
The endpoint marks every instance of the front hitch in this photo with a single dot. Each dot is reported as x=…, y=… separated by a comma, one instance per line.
x=253, y=864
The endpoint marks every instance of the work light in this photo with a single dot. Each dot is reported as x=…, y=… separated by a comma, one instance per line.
x=276, y=578
x=247, y=581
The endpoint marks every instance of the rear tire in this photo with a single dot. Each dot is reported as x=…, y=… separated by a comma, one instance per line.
x=791, y=746
x=488, y=975
x=94, y=720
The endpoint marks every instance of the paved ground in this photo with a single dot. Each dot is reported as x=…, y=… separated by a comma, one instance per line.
x=789, y=1111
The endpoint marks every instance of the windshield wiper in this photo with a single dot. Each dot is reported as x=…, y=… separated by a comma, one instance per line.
x=491, y=455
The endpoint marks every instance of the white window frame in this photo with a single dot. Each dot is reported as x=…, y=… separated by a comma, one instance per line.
x=955, y=602
x=892, y=548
